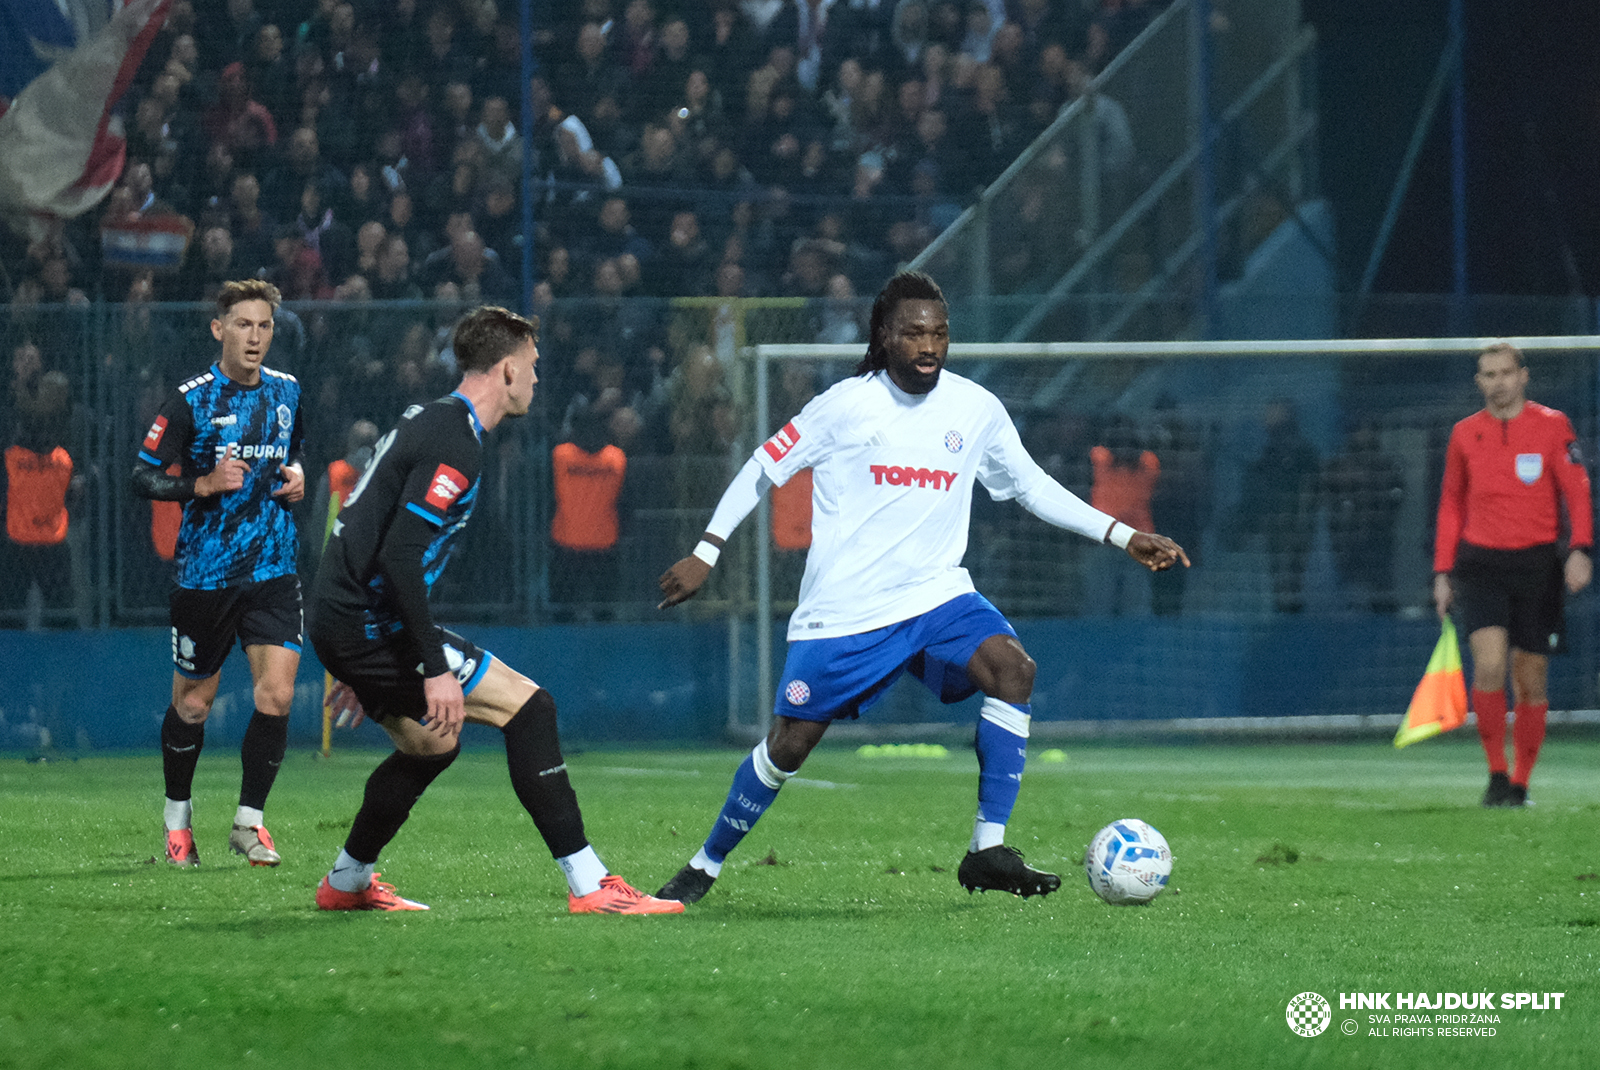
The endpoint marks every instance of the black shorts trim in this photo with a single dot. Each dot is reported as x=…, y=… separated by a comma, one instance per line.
x=1522, y=591
x=385, y=673
x=206, y=623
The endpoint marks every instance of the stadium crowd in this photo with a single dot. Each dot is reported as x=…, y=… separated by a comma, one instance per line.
x=356, y=149
x=358, y=152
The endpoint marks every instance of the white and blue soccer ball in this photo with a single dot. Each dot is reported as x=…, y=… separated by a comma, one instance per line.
x=1128, y=862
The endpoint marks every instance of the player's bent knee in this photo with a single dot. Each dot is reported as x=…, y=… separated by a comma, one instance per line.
x=274, y=700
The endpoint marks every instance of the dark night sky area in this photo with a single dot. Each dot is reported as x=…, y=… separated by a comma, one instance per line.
x=1533, y=141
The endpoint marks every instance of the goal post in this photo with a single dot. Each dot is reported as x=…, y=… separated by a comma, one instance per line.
x=1343, y=556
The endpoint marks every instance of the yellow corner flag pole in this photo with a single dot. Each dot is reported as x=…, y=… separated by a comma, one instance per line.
x=1440, y=701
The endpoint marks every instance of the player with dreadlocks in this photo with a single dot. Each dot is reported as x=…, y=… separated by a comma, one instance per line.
x=895, y=452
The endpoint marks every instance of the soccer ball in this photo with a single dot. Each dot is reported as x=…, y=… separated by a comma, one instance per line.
x=1128, y=862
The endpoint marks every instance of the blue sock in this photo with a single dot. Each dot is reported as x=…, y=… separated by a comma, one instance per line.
x=755, y=786
x=1002, y=747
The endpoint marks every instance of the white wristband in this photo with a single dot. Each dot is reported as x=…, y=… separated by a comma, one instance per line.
x=707, y=553
x=1119, y=534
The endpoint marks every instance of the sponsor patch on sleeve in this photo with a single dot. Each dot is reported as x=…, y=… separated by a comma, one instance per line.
x=779, y=445
x=445, y=487
x=1575, y=453
x=152, y=437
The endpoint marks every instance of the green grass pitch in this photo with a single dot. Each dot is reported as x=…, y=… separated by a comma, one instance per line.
x=837, y=936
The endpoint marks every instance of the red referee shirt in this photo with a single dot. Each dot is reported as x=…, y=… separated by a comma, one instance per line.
x=1502, y=479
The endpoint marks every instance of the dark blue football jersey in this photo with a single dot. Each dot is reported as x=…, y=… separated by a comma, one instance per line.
x=243, y=535
x=427, y=468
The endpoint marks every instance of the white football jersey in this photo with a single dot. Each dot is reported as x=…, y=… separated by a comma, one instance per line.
x=892, y=483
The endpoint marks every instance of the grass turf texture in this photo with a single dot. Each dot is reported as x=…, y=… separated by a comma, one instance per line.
x=837, y=936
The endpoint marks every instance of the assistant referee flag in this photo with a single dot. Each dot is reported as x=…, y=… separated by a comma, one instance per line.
x=1440, y=701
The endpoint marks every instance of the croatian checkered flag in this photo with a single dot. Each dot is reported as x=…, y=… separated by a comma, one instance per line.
x=61, y=148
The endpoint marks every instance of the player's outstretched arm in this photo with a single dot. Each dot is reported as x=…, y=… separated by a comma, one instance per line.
x=1155, y=552
x=683, y=580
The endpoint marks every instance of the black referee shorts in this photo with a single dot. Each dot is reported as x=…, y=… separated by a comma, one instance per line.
x=385, y=673
x=1522, y=591
x=205, y=623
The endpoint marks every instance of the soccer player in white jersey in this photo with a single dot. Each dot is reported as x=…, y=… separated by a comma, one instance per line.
x=895, y=452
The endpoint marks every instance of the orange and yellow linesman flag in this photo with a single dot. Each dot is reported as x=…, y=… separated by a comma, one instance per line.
x=1440, y=701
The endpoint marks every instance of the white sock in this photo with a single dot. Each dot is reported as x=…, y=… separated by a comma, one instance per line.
x=704, y=864
x=584, y=870
x=177, y=815
x=348, y=875
x=986, y=834
x=249, y=817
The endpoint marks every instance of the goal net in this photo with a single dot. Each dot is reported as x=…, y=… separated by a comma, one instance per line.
x=1301, y=476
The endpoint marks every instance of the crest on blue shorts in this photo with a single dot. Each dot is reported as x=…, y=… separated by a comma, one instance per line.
x=798, y=693
x=952, y=441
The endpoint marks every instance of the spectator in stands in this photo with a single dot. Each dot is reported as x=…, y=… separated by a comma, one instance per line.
x=1279, y=503
x=1183, y=496
x=840, y=320
x=242, y=124
x=456, y=190
x=499, y=221
x=444, y=60
x=731, y=48
x=252, y=228
x=281, y=190
x=365, y=201
x=909, y=33
x=473, y=270
x=414, y=123
x=454, y=119
x=272, y=75
x=589, y=74
x=38, y=474
x=401, y=221
x=686, y=263
x=502, y=148
x=370, y=237
x=1125, y=478
x=203, y=274
x=392, y=280
x=333, y=242
x=587, y=475
x=1363, y=489
x=661, y=86
x=636, y=42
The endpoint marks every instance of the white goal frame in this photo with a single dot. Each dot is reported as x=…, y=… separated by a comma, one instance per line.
x=763, y=356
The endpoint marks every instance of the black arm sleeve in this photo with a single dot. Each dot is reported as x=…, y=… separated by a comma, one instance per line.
x=154, y=483
x=400, y=561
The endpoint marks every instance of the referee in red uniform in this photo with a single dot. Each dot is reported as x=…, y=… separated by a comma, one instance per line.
x=1511, y=467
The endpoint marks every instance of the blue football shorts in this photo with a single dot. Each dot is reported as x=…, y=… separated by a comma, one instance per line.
x=829, y=679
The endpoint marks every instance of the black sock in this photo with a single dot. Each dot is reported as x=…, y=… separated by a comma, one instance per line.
x=539, y=775
x=180, y=752
x=265, y=739
x=392, y=790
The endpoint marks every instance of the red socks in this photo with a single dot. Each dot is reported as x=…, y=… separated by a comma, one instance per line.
x=1526, y=736
x=1490, y=707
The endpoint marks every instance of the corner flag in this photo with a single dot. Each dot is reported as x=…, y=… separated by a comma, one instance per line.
x=1440, y=701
